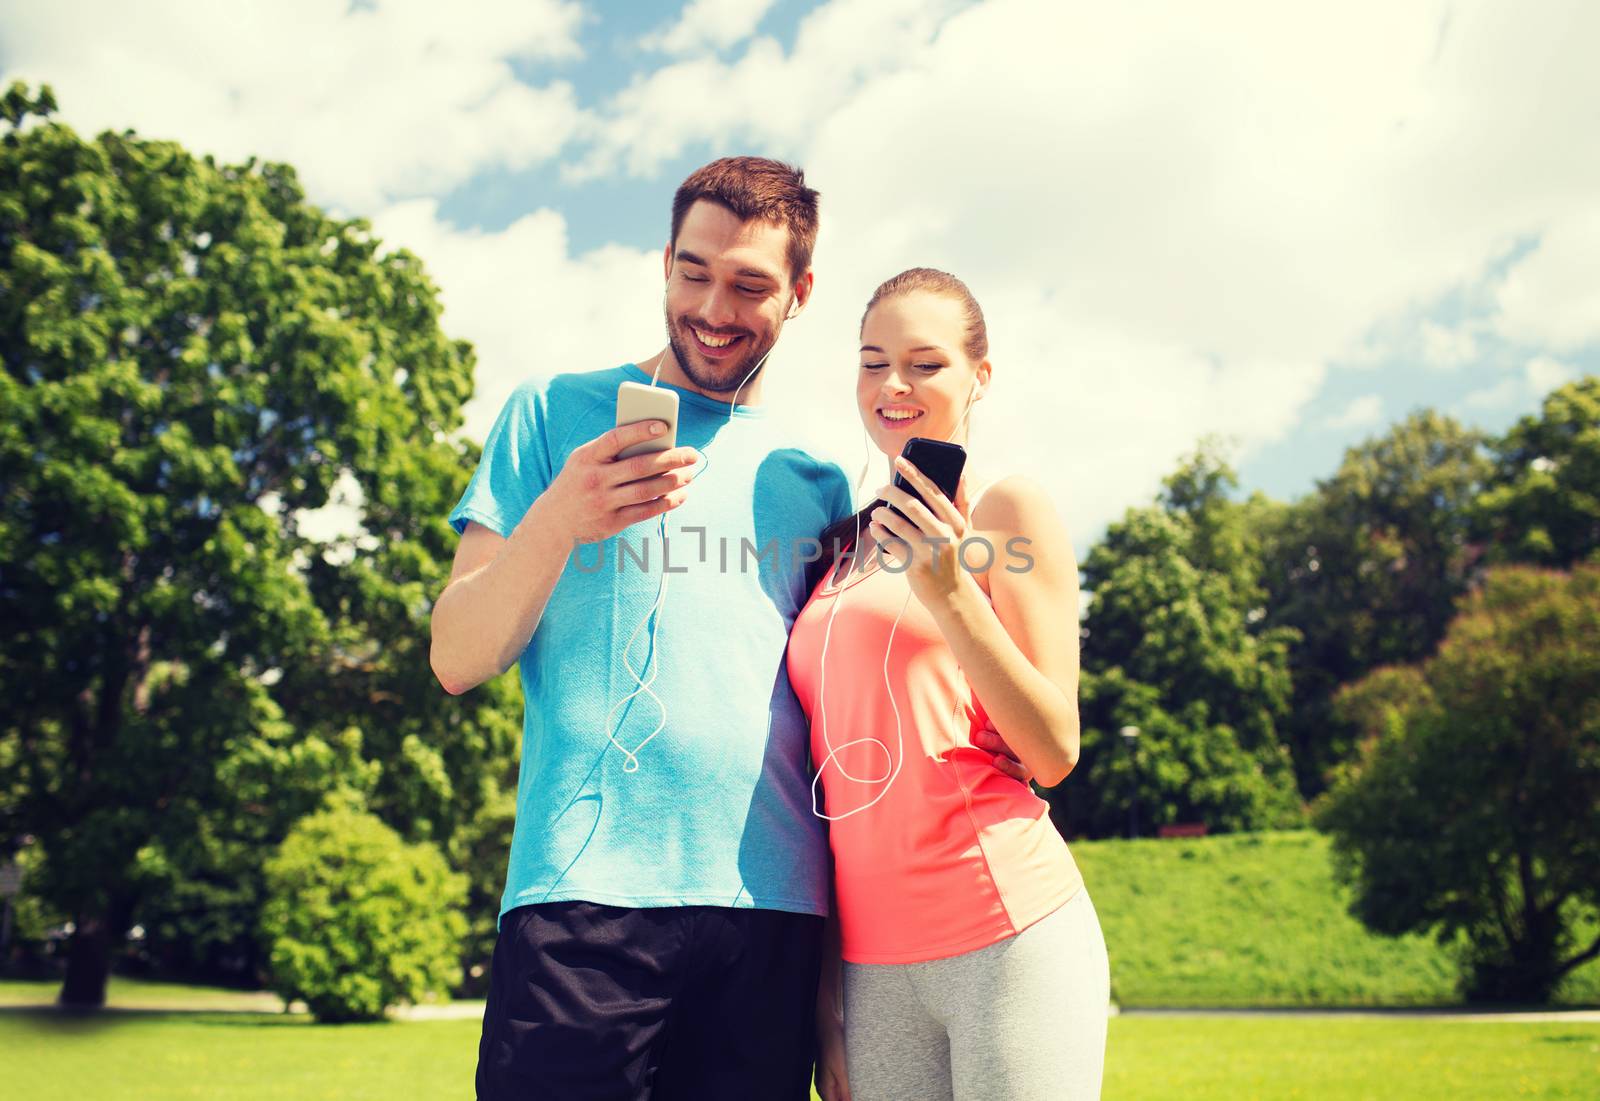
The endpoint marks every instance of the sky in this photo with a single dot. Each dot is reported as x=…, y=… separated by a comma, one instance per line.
x=1286, y=225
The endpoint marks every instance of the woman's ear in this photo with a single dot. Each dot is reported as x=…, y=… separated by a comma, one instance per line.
x=984, y=374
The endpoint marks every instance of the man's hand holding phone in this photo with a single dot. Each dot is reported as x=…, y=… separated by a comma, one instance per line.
x=597, y=494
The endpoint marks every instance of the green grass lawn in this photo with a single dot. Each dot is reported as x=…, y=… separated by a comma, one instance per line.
x=1240, y=920
x=1250, y=920
x=168, y=1056
x=1344, y=1060
x=124, y=992
x=1257, y=920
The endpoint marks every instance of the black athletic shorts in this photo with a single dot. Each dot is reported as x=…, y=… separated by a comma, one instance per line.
x=602, y=1003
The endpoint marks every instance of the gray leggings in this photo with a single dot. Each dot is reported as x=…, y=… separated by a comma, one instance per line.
x=1020, y=1019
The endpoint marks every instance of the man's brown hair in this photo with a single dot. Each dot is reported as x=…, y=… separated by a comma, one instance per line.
x=755, y=187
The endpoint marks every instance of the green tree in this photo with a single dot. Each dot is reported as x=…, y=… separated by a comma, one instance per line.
x=1542, y=502
x=1183, y=767
x=357, y=920
x=1474, y=811
x=1173, y=644
x=1366, y=571
x=190, y=356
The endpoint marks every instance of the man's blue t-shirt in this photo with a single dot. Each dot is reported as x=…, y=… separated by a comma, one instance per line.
x=718, y=811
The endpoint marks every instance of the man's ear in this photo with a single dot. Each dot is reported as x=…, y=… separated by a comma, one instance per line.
x=802, y=294
x=666, y=261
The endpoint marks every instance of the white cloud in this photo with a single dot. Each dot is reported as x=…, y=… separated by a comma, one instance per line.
x=1545, y=374
x=1360, y=413
x=399, y=98
x=528, y=305
x=1094, y=413
x=1538, y=377
x=710, y=25
x=1552, y=296
x=1174, y=224
x=1445, y=346
x=339, y=519
x=766, y=98
x=1503, y=393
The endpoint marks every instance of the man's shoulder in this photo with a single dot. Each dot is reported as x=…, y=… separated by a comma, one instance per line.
x=801, y=444
x=553, y=406
x=569, y=387
x=803, y=457
x=797, y=457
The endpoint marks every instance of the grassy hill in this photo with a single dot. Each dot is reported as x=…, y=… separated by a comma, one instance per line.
x=1236, y=921
x=1257, y=920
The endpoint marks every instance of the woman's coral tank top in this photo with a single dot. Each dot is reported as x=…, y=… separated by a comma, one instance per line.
x=950, y=856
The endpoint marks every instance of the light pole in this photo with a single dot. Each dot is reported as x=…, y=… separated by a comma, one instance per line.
x=1130, y=738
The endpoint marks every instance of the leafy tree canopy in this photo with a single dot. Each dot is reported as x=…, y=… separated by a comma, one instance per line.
x=1173, y=644
x=1474, y=811
x=1542, y=502
x=191, y=355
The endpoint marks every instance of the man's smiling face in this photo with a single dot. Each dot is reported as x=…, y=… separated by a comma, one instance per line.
x=728, y=289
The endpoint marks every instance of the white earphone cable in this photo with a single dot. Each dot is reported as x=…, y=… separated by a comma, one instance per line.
x=631, y=756
x=897, y=759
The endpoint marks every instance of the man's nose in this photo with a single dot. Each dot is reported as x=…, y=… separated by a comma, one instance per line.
x=719, y=307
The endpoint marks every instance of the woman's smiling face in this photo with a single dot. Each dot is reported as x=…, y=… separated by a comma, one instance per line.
x=915, y=377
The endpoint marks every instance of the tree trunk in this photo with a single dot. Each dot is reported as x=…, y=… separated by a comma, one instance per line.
x=95, y=937
x=1523, y=970
x=88, y=963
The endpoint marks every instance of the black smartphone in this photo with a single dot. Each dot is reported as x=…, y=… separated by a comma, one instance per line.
x=941, y=463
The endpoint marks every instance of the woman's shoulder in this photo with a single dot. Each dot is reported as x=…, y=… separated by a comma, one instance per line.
x=1012, y=506
x=1012, y=502
x=1018, y=513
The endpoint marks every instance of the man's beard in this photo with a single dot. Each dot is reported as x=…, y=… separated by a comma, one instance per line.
x=730, y=376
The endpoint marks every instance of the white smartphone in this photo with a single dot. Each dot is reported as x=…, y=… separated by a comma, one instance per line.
x=638, y=402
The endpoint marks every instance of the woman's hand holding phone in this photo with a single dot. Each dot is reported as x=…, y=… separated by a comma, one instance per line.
x=923, y=541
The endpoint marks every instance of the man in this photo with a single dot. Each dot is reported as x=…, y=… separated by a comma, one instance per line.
x=659, y=930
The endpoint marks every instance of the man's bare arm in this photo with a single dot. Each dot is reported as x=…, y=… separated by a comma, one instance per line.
x=491, y=606
x=499, y=587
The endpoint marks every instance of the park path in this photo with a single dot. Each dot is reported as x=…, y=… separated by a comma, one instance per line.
x=473, y=1010
x=1531, y=1016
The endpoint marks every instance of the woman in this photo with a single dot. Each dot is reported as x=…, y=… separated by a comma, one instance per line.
x=972, y=960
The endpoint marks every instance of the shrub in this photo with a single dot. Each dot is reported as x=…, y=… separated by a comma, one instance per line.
x=357, y=920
